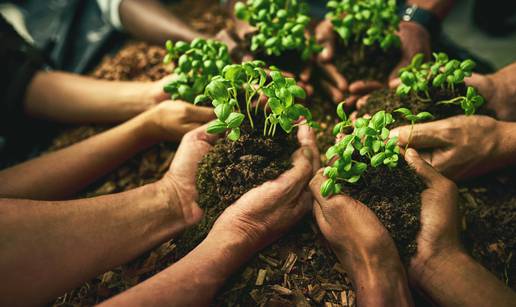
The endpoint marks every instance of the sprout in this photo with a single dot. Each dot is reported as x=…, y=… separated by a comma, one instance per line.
x=365, y=21
x=281, y=26
x=413, y=118
x=197, y=63
x=249, y=80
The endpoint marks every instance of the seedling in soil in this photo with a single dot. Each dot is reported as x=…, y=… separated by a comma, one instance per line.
x=238, y=90
x=413, y=119
x=368, y=142
x=366, y=22
x=281, y=25
x=197, y=63
x=420, y=77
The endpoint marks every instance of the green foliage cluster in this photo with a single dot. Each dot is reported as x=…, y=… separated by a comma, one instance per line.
x=250, y=81
x=280, y=24
x=197, y=63
x=370, y=139
x=442, y=73
x=365, y=21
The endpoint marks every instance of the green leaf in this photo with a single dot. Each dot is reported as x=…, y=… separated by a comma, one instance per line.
x=424, y=116
x=222, y=111
x=340, y=111
x=327, y=188
x=216, y=126
x=377, y=159
x=276, y=106
x=234, y=134
x=201, y=98
x=285, y=123
x=417, y=60
x=331, y=152
x=403, y=111
x=330, y=172
x=217, y=90
x=297, y=91
x=235, y=120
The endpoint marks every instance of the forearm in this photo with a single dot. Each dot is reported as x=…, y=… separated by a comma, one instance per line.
x=151, y=21
x=62, y=173
x=192, y=281
x=505, y=83
x=455, y=279
x=47, y=248
x=505, y=152
x=440, y=8
x=69, y=98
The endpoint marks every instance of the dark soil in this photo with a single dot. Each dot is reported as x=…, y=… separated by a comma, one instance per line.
x=394, y=195
x=231, y=169
x=359, y=62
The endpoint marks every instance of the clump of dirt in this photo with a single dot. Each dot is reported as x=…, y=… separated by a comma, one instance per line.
x=232, y=168
x=394, y=195
x=359, y=62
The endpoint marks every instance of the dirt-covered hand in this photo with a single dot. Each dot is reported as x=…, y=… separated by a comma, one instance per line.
x=414, y=39
x=170, y=120
x=439, y=231
x=335, y=84
x=266, y=212
x=460, y=147
x=355, y=234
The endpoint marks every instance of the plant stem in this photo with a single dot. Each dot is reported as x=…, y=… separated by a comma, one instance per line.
x=410, y=135
x=451, y=100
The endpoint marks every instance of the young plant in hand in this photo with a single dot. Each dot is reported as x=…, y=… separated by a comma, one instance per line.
x=281, y=26
x=197, y=63
x=413, y=119
x=368, y=145
x=237, y=91
x=421, y=77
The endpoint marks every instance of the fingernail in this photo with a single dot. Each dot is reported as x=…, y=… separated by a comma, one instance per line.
x=307, y=153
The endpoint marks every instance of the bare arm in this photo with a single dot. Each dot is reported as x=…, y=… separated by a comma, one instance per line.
x=440, y=8
x=70, y=98
x=151, y=21
x=62, y=173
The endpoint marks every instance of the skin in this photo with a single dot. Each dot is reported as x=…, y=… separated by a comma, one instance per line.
x=61, y=174
x=255, y=220
x=151, y=21
x=50, y=94
x=364, y=248
x=83, y=238
x=463, y=147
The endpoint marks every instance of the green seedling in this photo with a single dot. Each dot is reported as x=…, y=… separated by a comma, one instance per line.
x=197, y=63
x=419, y=76
x=413, y=118
x=250, y=82
x=365, y=21
x=281, y=25
x=370, y=140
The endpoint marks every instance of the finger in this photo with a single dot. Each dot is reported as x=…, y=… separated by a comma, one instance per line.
x=394, y=83
x=350, y=102
x=425, y=135
x=199, y=114
x=338, y=80
x=362, y=102
x=423, y=169
x=335, y=95
x=309, y=89
x=362, y=87
x=395, y=72
x=306, y=73
x=306, y=138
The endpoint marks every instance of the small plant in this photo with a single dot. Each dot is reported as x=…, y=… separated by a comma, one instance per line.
x=249, y=81
x=413, y=118
x=367, y=22
x=281, y=26
x=369, y=140
x=443, y=73
x=197, y=63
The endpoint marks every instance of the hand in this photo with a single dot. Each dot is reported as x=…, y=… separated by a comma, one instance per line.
x=153, y=92
x=459, y=147
x=363, y=246
x=414, y=39
x=336, y=84
x=179, y=182
x=266, y=212
x=170, y=120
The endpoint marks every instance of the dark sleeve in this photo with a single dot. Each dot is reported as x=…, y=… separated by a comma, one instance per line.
x=20, y=62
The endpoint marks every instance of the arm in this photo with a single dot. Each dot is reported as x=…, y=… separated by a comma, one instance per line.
x=69, y=98
x=242, y=229
x=62, y=173
x=151, y=21
x=364, y=248
x=440, y=268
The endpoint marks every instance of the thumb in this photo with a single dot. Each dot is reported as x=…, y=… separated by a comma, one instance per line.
x=419, y=136
x=422, y=168
x=200, y=114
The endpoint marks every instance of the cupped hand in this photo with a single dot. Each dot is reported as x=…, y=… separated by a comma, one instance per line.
x=170, y=120
x=460, y=147
x=266, y=212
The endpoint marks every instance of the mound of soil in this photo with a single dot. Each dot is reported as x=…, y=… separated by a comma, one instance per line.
x=394, y=195
x=231, y=169
x=359, y=62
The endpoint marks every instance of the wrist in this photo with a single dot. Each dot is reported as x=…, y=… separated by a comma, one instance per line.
x=424, y=266
x=505, y=151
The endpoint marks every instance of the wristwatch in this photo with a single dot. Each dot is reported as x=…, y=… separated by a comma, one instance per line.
x=425, y=18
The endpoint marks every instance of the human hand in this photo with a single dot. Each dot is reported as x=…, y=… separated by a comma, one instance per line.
x=266, y=212
x=460, y=147
x=170, y=120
